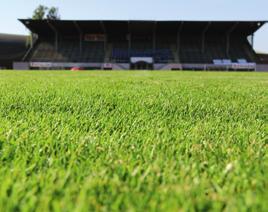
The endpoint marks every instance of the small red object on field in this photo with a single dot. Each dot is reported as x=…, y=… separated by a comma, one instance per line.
x=77, y=69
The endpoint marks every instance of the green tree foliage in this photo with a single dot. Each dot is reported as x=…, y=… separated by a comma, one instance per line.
x=53, y=14
x=43, y=12
x=28, y=40
x=39, y=12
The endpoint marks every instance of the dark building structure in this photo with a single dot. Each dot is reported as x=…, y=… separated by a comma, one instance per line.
x=263, y=58
x=12, y=49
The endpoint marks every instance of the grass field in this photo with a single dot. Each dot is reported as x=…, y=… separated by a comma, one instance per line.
x=133, y=141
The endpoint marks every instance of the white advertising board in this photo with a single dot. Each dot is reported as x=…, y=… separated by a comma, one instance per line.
x=243, y=66
x=40, y=64
x=141, y=59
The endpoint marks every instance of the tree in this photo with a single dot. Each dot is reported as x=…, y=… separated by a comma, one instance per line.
x=53, y=14
x=39, y=14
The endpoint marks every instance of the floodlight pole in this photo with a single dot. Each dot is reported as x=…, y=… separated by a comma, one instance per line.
x=105, y=40
x=155, y=23
x=129, y=41
x=81, y=35
x=178, y=36
x=56, y=35
x=203, y=37
x=228, y=34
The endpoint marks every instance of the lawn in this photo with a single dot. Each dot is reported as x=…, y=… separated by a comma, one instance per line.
x=133, y=141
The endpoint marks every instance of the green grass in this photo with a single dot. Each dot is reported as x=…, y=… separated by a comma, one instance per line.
x=133, y=141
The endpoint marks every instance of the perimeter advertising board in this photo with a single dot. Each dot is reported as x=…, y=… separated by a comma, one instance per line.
x=243, y=66
x=39, y=64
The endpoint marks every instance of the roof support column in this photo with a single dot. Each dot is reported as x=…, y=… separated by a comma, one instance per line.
x=203, y=43
x=129, y=41
x=56, y=42
x=227, y=44
x=81, y=42
x=105, y=40
x=154, y=41
x=203, y=37
x=228, y=37
x=56, y=35
x=32, y=41
x=252, y=40
x=81, y=36
x=178, y=37
x=178, y=42
x=154, y=35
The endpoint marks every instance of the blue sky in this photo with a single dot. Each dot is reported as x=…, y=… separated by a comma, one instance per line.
x=11, y=10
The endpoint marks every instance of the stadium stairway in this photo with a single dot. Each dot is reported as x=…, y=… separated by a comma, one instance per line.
x=121, y=66
x=175, y=54
x=108, y=53
x=159, y=66
x=32, y=52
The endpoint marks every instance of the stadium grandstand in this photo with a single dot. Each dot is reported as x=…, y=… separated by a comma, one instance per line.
x=140, y=45
x=12, y=48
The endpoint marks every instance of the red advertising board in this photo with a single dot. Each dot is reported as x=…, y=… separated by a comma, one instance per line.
x=100, y=37
x=90, y=37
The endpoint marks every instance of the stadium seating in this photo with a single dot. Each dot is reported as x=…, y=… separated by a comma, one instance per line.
x=122, y=60
x=70, y=52
x=160, y=61
x=226, y=62
x=192, y=52
x=217, y=62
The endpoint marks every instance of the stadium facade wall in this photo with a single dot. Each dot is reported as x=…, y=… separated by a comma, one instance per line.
x=71, y=65
x=159, y=66
x=21, y=66
x=121, y=66
x=262, y=68
x=172, y=66
x=116, y=67
x=126, y=66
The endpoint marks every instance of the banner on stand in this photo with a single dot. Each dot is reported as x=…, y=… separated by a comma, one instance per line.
x=94, y=37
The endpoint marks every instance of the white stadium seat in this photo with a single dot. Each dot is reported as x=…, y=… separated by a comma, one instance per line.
x=217, y=62
x=242, y=61
x=227, y=62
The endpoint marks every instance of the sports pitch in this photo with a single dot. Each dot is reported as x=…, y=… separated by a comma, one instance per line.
x=133, y=141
